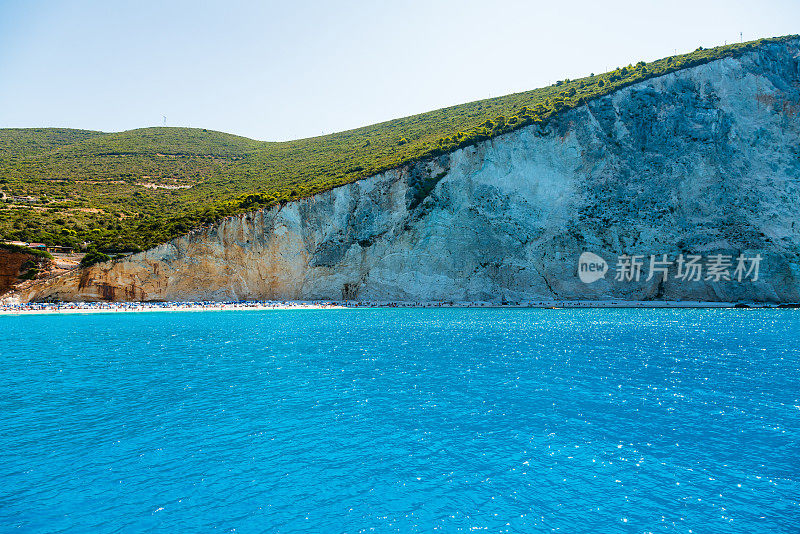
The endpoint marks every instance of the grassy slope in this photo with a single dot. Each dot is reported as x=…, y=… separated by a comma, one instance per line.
x=24, y=142
x=91, y=182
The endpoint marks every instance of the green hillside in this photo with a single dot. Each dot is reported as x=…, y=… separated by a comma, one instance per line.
x=24, y=142
x=132, y=190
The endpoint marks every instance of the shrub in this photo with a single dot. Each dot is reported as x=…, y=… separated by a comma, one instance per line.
x=92, y=257
x=30, y=274
x=25, y=250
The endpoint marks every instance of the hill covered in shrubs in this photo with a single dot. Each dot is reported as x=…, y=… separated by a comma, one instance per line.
x=128, y=191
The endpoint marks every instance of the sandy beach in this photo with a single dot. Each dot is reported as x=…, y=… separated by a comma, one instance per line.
x=133, y=307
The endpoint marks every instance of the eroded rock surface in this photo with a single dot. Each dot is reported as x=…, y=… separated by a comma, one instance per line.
x=702, y=161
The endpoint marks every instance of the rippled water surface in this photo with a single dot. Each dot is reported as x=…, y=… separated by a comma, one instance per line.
x=394, y=420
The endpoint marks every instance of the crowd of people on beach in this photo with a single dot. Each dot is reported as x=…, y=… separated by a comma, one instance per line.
x=107, y=306
x=158, y=306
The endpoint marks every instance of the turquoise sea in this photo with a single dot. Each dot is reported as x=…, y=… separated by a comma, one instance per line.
x=401, y=420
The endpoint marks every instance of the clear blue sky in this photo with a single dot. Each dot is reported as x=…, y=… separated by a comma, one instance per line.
x=289, y=69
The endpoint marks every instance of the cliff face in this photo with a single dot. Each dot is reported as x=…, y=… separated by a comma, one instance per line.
x=699, y=162
x=16, y=264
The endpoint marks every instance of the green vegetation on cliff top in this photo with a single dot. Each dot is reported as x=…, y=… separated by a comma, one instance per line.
x=132, y=190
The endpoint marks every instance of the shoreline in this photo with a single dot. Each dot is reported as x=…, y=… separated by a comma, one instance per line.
x=178, y=306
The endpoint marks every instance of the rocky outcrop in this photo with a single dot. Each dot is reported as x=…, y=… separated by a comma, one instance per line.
x=704, y=161
x=16, y=267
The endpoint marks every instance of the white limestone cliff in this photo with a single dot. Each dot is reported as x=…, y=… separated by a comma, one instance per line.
x=701, y=161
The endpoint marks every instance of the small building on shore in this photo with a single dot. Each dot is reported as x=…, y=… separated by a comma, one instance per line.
x=58, y=249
